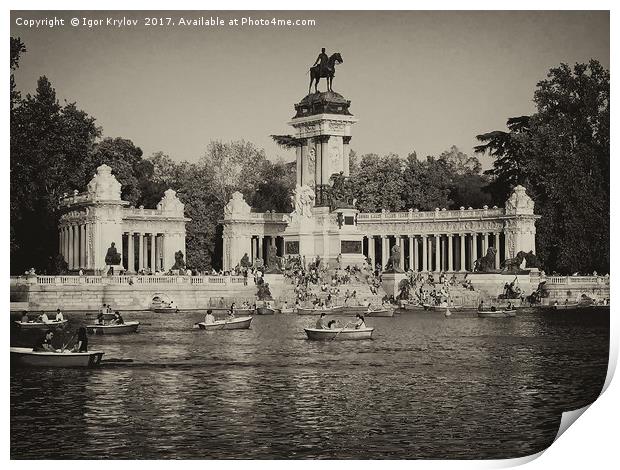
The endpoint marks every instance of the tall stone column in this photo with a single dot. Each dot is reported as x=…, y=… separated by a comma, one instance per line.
x=424, y=253
x=401, y=244
x=299, y=168
x=496, y=244
x=153, y=252
x=162, y=250
x=384, y=243
x=450, y=248
x=437, y=254
x=411, y=254
x=131, y=264
x=70, y=260
x=140, y=251
x=474, y=249
x=83, y=246
x=462, y=252
x=345, y=154
x=260, y=247
x=371, y=251
x=485, y=244
x=416, y=259
x=324, y=161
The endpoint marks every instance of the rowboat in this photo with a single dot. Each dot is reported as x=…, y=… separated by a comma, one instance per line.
x=443, y=308
x=28, y=357
x=353, y=309
x=241, y=323
x=318, y=311
x=497, y=313
x=127, y=327
x=341, y=334
x=564, y=306
x=382, y=312
x=287, y=310
x=265, y=311
x=161, y=303
x=408, y=306
x=37, y=325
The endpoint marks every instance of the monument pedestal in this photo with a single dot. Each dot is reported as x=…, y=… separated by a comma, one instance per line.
x=390, y=282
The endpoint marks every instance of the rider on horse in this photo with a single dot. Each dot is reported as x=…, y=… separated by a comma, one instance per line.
x=322, y=61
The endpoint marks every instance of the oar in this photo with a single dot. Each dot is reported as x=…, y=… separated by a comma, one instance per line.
x=341, y=329
x=64, y=346
x=114, y=360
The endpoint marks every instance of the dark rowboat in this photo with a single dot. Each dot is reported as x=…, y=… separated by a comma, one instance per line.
x=341, y=334
x=127, y=327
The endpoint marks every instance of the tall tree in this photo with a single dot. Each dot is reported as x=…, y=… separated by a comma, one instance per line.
x=49, y=143
x=561, y=155
x=378, y=183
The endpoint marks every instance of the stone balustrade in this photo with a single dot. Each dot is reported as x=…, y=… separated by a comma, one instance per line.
x=412, y=214
x=125, y=280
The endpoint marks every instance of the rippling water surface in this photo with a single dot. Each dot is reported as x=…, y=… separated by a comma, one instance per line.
x=426, y=386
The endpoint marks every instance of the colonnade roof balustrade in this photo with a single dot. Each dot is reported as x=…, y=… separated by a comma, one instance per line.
x=443, y=214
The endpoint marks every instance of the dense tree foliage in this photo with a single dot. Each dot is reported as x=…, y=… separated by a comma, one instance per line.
x=561, y=154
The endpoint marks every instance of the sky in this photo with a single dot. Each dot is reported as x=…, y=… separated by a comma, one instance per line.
x=420, y=81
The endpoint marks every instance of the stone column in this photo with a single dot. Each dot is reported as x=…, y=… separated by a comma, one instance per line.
x=485, y=243
x=384, y=242
x=424, y=253
x=140, y=251
x=299, y=168
x=324, y=160
x=411, y=254
x=437, y=254
x=496, y=245
x=131, y=264
x=153, y=252
x=462, y=252
x=474, y=249
x=371, y=251
x=70, y=248
x=401, y=243
x=82, y=229
x=76, y=247
x=260, y=247
x=416, y=260
x=162, y=250
x=345, y=154
x=450, y=248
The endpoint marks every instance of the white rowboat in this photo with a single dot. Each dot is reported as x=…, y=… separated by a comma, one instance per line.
x=35, y=325
x=497, y=313
x=28, y=357
x=241, y=323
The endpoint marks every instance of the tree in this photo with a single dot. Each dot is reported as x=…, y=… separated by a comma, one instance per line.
x=48, y=146
x=426, y=183
x=378, y=183
x=509, y=151
x=125, y=159
x=561, y=154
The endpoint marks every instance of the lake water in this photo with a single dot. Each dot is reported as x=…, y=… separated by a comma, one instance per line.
x=426, y=386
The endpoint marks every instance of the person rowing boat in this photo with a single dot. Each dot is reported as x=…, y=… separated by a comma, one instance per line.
x=360, y=324
x=82, y=341
x=45, y=343
x=209, y=318
x=320, y=323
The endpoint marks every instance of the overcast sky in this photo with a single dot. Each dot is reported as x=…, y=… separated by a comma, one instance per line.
x=416, y=80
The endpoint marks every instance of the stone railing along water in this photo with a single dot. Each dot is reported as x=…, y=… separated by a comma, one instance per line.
x=125, y=280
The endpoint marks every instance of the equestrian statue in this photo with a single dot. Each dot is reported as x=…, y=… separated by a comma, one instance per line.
x=324, y=67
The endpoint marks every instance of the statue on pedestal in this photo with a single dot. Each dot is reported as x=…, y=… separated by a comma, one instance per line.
x=273, y=262
x=486, y=264
x=393, y=263
x=324, y=67
x=112, y=257
x=179, y=262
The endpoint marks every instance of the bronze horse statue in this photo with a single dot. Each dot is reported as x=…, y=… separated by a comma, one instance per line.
x=328, y=73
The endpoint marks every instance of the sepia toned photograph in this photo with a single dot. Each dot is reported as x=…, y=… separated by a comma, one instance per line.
x=335, y=235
